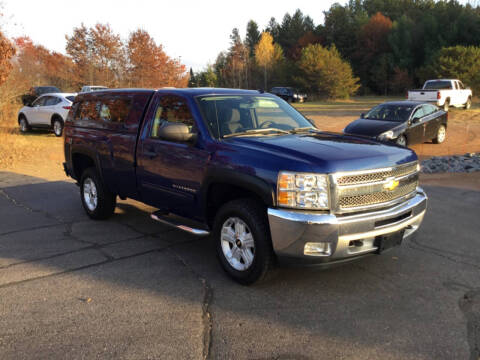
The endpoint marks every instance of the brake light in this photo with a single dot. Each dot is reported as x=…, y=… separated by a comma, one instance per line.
x=67, y=107
x=438, y=95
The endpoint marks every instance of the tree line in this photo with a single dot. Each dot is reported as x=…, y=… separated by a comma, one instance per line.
x=364, y=46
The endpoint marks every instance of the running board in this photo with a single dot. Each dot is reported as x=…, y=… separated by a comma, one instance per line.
x=163, y=218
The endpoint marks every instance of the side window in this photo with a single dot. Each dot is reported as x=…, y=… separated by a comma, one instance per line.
x=40, y=101
x=171, y=109
x=460, y=85
x=51, y=101
x=428, y=109
x=115, y=109
x=418, y=113
x=87, y=111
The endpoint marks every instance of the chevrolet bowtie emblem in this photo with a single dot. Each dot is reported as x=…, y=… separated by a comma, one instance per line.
x=391, y=185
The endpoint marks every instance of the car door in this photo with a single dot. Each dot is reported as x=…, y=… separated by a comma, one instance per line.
x=464, y=93
x=34, y=112
x=415, y=131
x=431, y=120
x=48, y=109
x=170, y=173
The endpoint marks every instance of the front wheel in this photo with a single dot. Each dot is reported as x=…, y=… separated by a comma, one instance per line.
x=58, y=127
x=441, y=135
x=99, y=203
x=401, y=140
x=242, y=240
x=468, y=104
x=23, y=125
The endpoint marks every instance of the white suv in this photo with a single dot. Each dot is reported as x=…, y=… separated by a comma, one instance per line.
x=48, y=111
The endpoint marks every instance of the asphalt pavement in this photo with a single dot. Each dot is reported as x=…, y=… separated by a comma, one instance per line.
x=130, y=288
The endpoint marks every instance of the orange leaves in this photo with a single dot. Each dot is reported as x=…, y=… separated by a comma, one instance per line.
x=6, y=53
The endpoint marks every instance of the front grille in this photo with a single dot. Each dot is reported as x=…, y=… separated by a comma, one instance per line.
x=370, y=188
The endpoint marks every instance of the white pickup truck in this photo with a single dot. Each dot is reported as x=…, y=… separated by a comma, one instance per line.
x=443, y=93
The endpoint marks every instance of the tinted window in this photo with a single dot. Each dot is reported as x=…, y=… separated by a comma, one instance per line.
x=429, y=109
x=171, y=109
x=460, y=85
x=390, y=112
x=86, y=111
x=114, y=109
x=419, y=113
x=52, y=100
x=70, y=98
x=438, y=85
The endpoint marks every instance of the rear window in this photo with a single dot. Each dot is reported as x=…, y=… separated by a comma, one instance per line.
x=103, y=112
x=70, y=98
x=437, y=85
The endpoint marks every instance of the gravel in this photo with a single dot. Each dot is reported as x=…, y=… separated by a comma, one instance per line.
x=457, y=163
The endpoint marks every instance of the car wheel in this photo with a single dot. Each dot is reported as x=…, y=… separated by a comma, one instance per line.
x=441, y=135
x=401, y=140
x=242, y=241
x=446, y=105
x=58, y=127
x=468, y=104
x=23, y=123
x=99, y=203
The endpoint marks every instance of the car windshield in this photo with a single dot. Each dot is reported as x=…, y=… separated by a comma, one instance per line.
x=253, y=115
x=437, y=85
x=390, y=112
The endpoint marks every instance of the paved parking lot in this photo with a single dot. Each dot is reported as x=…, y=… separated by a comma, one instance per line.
x=131, y=288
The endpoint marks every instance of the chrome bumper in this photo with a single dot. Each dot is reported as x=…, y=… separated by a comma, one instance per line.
x=347, y=236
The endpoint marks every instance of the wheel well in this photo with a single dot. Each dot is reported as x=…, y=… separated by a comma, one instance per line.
x=21, y=115
x=220, y=193
x=56, y=117
x=80, y=163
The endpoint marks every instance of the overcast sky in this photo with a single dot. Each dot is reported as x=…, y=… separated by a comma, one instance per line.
x=195, y=31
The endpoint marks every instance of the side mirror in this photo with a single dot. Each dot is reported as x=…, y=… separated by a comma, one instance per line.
x=176, y=132
x=362, y=116
x=415, y=120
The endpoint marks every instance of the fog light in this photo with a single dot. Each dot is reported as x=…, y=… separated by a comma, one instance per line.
x=317, y=249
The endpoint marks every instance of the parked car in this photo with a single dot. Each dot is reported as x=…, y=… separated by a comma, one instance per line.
x=36, y=91
x=246, y=167
x=90, y=88
x=49, y=111
x=403, y=122
x=289, y=94
x=443, y=93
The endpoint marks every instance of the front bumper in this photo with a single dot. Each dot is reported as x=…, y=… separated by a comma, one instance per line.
x=348, y=236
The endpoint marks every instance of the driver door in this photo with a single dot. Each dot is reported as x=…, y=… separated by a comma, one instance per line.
x=34, y=116
x=416, y=130
x=169, y=172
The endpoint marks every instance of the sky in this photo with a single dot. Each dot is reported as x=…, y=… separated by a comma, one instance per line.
x=194, y=31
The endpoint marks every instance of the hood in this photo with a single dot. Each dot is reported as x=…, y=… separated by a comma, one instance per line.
x=372, y=128
x=322, y=152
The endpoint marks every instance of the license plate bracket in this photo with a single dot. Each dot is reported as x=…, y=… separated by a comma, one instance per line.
x=388, y=241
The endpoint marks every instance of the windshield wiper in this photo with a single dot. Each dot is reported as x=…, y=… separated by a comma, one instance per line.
x=257, y=132
x=303, y=129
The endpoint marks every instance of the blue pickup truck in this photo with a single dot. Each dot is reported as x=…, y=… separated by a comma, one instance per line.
x=247, y=168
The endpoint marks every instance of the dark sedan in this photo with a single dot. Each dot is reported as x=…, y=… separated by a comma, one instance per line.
x=403, y=122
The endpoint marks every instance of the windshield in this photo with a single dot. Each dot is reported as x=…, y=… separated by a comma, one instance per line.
x=390, y=112
x=239, y=114
x=437, y=85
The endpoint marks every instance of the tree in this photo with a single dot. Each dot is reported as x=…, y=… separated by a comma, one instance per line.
x=7, y=51
x=267, y=54
x=149, y=66
x=207, y=78
x=325, y=73
x=252, y=37
x=192, y=81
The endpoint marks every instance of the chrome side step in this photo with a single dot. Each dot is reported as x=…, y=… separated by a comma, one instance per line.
x=163, y=218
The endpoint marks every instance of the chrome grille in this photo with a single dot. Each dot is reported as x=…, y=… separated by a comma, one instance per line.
x=360, y=190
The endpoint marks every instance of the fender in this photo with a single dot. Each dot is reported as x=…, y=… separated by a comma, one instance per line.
x=57, y=115
x=232, y=177
x=91, y=153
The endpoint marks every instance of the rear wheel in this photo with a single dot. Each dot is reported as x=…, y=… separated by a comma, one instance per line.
x=242, y=240
x=401, y=140
x=99, y=203
x=58, y=127
x=441, y=135
x=23, y=123
x=468, y=104
x=446, y=105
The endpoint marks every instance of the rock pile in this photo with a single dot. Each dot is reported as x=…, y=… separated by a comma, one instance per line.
x=457, y=163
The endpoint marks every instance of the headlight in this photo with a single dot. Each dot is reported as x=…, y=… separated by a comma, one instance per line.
x=295, y=95
x=302, y=191
x=387, y=135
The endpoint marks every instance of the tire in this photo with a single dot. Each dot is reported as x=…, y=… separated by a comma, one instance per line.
x=241, y=228
x=23, y=123
x=446, y=105
x=441, y=135
x=468, y=104
x=57, y=126
x=401, y=140
x=99, y=203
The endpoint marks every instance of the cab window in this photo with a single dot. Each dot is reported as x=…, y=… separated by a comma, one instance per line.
x=171, y=109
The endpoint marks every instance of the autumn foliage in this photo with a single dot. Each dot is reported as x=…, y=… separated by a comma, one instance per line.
x=6, y=53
